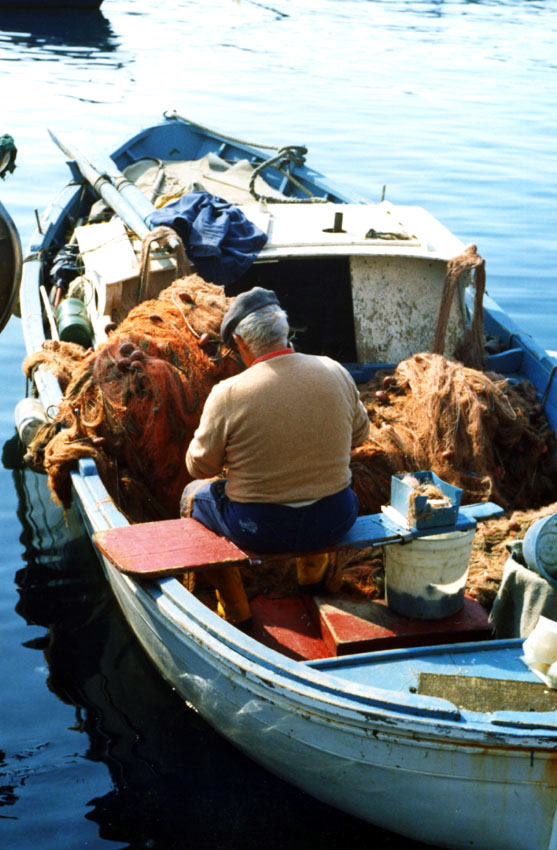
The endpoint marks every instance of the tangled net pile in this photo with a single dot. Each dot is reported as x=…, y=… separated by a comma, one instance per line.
x=475, y=431
x=472, y=428
x=134, y=404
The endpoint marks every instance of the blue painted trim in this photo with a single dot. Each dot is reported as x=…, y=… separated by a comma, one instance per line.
x=372, y=658
x=363, y=372
x=506, y=361
x=482, y=510
x=548, y=385
x=379, y=529
x=87, y=466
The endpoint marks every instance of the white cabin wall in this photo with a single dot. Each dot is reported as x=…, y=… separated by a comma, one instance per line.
x=396, y=304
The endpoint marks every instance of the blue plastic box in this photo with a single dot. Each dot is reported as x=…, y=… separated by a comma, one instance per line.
x=429, y=516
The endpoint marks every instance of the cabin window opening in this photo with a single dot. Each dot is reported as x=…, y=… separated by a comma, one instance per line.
x=317, y=295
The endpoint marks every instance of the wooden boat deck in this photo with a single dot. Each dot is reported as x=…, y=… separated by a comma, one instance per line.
x=487, y=681
x=308, y=628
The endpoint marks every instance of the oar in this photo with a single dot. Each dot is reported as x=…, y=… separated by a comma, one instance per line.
x=113, y=187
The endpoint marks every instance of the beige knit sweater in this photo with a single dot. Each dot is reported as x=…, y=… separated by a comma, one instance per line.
x=283, y=430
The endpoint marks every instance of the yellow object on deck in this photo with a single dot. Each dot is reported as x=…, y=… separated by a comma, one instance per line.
x=232, y=602
x=311, y=569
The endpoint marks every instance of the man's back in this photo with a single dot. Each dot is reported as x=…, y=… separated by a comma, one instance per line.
x=283, y=429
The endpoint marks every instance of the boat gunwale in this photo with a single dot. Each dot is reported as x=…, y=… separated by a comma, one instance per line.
x=303, y=173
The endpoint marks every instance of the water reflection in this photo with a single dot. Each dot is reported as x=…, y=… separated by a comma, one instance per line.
x=58, y=32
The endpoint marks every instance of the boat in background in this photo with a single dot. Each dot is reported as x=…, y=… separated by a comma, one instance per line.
x=10, y=265
x=446, y=739
x=46, y=5
x=10, y=245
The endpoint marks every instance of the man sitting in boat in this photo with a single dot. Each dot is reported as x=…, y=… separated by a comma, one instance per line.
x=283, y=430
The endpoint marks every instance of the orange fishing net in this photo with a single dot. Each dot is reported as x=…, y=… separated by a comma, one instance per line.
x=134, y=404
x=472, y=428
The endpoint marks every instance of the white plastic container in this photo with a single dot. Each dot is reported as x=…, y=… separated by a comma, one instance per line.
x=426, y=579
x=541, y=644
x=29, y=416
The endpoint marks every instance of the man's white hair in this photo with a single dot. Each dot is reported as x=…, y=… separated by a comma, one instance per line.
x=264, y=330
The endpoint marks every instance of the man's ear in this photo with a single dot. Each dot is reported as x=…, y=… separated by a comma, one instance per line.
x=243, y=350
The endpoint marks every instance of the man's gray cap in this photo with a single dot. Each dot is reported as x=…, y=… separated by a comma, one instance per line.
x=245, y=303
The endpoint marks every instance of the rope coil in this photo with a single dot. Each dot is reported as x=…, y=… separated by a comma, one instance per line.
x=291, y=154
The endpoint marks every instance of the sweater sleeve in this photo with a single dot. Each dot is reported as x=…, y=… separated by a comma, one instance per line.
x=361, y=425
x=206, y=452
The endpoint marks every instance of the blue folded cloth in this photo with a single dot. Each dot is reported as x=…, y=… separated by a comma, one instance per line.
x=219, y=240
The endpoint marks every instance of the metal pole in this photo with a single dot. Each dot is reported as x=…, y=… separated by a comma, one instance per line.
x=103, y=186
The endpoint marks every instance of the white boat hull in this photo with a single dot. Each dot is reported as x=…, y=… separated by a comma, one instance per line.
x=387, y=771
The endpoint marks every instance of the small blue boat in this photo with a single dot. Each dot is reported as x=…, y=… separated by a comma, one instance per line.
x=10, y=265
x=10, y=245
x=449, y=739
x=46, y=5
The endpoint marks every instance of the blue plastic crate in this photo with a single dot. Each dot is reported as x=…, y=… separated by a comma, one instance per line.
x=427, y=515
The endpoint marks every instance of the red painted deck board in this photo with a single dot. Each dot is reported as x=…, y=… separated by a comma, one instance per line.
x=166, y=547
x=303, y=627
x=350, y=625
x=288, y=626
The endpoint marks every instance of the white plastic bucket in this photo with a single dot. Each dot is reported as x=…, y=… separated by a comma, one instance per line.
x=540, y=548
x=426, y=579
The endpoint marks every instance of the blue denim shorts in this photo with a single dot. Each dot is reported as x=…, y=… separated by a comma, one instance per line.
x=265, y=527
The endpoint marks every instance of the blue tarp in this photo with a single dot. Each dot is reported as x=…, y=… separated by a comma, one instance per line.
x=219, y=240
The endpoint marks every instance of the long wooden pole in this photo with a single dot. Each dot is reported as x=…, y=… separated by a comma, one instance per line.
x=110, y=184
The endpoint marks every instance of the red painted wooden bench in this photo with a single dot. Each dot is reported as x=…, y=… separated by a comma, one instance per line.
x=169, y=547
x=166, y=547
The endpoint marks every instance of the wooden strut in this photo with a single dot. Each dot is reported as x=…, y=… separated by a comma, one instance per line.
x=166, y=237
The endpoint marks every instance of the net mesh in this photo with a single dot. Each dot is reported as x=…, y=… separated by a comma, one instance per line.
x=134, y=404
x=473, y=429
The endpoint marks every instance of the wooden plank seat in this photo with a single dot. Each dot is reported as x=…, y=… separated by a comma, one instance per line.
x=166, y=547
x=169, y=547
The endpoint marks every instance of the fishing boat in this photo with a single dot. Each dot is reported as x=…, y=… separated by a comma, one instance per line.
x=429, y=727
x=47, y=5
x=10, y=265
x=10, y=245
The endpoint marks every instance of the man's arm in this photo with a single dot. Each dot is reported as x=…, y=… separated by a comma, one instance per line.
x=361, y=425
x=206, y=452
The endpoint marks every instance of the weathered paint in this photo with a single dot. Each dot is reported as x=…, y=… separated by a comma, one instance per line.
x=166, y=547
x=379, y=754
x=396, y=304
x=371, y=762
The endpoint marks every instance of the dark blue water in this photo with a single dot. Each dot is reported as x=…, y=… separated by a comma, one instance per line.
x=451, y=105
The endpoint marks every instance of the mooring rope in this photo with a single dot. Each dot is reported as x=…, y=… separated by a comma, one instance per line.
x=471, y=351
x=291, y=153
